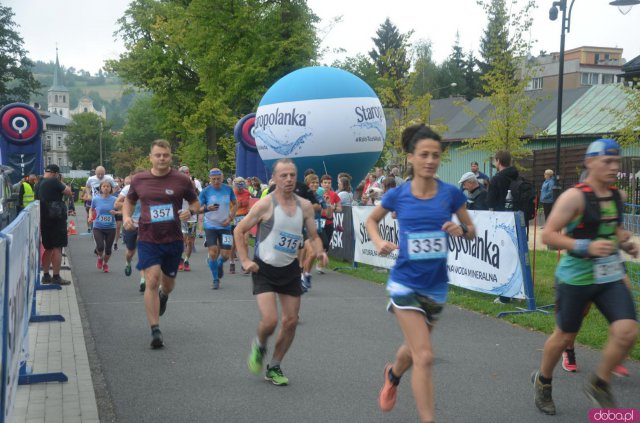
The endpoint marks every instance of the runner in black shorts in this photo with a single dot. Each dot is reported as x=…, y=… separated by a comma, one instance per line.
x=592, y=271
x=276, y=272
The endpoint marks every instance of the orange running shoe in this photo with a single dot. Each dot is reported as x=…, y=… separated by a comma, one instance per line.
x=388, y=393
x=621, y=371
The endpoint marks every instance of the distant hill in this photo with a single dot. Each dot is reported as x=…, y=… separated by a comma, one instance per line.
x=104, y=89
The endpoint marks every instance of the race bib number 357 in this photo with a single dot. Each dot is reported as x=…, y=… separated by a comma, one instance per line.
x=161, y=213
x=427, y=245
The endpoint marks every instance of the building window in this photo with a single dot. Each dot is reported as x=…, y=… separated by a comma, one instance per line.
x=56, y=98
x=597, y=58
x=48, y=160
x=535, y=84
x=59, y=161
x=607, y=78
x=607, y=57
x=86, y=110
x=64, y=98
x=590, y=78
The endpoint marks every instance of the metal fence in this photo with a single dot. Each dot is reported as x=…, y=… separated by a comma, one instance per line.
x=632, y=223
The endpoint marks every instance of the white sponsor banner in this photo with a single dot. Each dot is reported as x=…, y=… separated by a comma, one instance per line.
x=299, y=128
x=489, y=263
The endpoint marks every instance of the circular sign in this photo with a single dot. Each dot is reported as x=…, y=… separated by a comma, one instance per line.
x=243, y=132
x=20, y=123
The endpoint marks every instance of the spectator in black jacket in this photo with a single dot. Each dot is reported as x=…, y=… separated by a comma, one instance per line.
x=476, y=194
x=500, y=182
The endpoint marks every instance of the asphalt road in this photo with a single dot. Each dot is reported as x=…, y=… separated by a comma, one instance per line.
x=335, y=364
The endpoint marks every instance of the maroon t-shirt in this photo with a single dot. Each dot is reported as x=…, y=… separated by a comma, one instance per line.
x=160, y=200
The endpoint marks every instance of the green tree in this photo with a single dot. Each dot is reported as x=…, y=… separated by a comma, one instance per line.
x=425, y=73
x=142, y=127
x=452, y=70
x=495, y=44
x=88, y=134
x=629, y=118
x=472, y=83
x=390, y=56
x=16, y=79
x=511, y=109
x=361, y=66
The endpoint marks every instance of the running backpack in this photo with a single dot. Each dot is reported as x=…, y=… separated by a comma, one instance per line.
x=524, y=196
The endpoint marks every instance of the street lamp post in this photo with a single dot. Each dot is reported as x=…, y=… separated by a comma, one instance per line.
x=100, y=139
x=566, y=26
x=435, y=90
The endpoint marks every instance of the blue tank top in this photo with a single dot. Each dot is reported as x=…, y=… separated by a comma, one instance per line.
x=104, y=219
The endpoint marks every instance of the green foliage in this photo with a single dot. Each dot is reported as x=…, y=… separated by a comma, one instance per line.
x=361, y=66
x=87, y=132
x=142, y=126
x=629, y=118
x=16, y=78
x=193, y=153
x=511, y=110
x=208, y=62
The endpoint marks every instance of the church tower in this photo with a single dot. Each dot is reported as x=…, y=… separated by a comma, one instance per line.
x=58, y=94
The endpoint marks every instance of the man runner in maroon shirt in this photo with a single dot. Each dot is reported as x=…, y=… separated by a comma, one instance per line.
x=160, y=243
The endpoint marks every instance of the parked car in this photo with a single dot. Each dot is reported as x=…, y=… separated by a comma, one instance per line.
x=8, y=198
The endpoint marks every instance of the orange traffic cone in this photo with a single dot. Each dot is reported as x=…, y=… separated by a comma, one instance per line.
x=71, y=228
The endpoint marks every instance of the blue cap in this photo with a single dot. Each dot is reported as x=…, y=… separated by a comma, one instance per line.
x=215, y=172
x=603, y=147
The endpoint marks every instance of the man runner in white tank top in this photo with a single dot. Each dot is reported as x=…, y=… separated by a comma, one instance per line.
x=281, y=216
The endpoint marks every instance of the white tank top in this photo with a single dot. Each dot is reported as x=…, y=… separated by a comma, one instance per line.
x=279, y=238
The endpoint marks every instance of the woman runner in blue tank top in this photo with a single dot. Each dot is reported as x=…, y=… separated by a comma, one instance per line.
x=417, y=284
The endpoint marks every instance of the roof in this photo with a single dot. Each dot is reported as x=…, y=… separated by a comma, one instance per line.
x=593, y=112
x=632, y=65
x=58, y=120
x=58, y=85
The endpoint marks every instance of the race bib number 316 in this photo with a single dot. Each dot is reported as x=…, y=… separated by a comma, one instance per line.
x=427, y=245
x=161, y=213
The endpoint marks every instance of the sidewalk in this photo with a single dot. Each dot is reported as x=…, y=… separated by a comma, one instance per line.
x=58, y=347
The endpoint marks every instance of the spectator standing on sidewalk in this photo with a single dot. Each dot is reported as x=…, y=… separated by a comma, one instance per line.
x=546, y=193
x=53, y=222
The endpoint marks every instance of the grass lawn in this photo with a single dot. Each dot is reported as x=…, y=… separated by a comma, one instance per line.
x=594, y=329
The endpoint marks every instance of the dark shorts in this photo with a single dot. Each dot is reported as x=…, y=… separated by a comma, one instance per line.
x=130, y=238
x=613, y=299
x=54, y=233
x=282, y=280
x=219, y=237
x=167, y=255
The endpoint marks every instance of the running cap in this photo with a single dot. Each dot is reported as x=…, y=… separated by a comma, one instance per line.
x=603, y=147
x=184, y=169
x=215, y=172
x=467, y=177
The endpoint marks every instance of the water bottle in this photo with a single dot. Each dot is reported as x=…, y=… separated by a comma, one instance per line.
x=508, y=204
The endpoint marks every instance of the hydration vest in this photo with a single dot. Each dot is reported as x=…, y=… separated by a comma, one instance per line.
x=592, y=216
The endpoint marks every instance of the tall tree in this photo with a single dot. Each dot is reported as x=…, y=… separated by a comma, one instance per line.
x=425, y=70
x=472, y=83
x=390, y=56
x=16, y=79
x=452, y=71
x=88, y=135
x=629, y=118
x=495, y=44
x=512, y=110
x=361, y=66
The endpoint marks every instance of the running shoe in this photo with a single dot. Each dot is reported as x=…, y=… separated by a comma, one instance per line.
x=256, y=356
x=621, y=371
x=99, y=263
x=274, y=374
x=302, y=285
x=187, y=267
x=216, y=284
x=143, y=285
x=569, y=360
x=306, y=281
x=105, y=268
x=46, y=279
x=221, y=270
x=127, y=269
x=163, y=301
x=601, y=397
x=388, y=392
x=542, y=395
x=156, y=339
x=232, y=267
x=181, y=266
x=57, y=280
x=320, y=270
x=115, y=246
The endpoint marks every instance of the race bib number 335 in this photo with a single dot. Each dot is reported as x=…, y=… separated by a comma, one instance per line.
x=427, y=245
x=161, y=213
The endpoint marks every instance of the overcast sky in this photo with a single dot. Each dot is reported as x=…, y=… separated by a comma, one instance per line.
x=83, y=29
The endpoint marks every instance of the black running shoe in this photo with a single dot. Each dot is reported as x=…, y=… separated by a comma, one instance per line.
x=156, y=339
x=163, y=301
x=143, y=285
x=46, y=279
x=57, y=280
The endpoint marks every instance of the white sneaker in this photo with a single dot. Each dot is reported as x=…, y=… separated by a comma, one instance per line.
x=320, y=270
